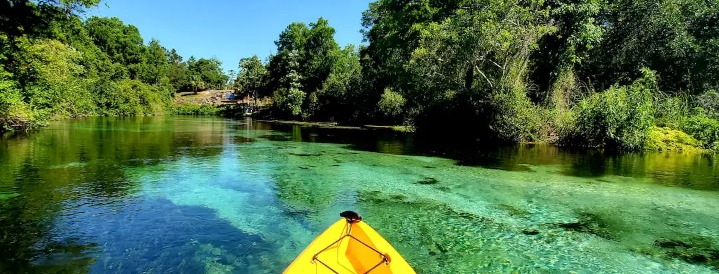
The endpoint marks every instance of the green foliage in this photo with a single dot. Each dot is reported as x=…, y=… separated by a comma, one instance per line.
x=667, y=139
x=457, y=54
x=516, y=70
x=251, y=77
x=178, y=73
x=323, y=74
x=391, y=104
x=194, y=109
x=288, y=99
x=131, y=98
x=515, y=119
x=341, y=94
x=675, y=38
x=670, y=111
x=709, y=101
x=620, y=117
x=703, y=128
x=512, y=71
x=59, y=66
x=53, y=75
x=122, y=43
x=206, y=73
x=14, y=112
x=21, y=17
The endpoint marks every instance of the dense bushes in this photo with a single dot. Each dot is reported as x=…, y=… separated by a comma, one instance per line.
x=547, y=70
x=15, y=112
x=515, y=119
x=670, y=111
x=668, y=139
x=53, y=76
x=703, y=128
x=624, y=117
x=53, y=64
x=620, y=117
x=192, y=109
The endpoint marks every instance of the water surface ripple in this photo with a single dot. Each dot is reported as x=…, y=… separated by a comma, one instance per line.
x=189, y=195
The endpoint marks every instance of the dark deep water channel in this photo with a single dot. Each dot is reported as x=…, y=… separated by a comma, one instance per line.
x=192, y=195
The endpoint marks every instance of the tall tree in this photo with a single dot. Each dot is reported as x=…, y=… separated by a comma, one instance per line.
x=121, y=42
x=19, y=17
x=292, y=39
x=206, y=73
x=251, y=76
x=314, y=49
x=177, y=71
x=676, y=38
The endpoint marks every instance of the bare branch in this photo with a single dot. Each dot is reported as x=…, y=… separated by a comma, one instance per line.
x=485, y=76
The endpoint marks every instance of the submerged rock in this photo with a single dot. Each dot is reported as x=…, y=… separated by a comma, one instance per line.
x=530, y=231
x=443, y=188
x=589, y=223
x=577, y=226
x=671, y=244
x=437, y=249
x=428, y=181
x=305, y=154
x=398, y=197
x=696, y=253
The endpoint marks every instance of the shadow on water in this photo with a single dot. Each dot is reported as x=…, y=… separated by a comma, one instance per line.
x=24, y=239
x=80, y=164
x=163, y=237
x=674, y=169
x=139, y=236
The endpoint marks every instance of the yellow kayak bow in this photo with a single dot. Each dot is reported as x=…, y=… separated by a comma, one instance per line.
x=349, y=246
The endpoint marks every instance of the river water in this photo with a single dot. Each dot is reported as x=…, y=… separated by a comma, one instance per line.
x=193, y=195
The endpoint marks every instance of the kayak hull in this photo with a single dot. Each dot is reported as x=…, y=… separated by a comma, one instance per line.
x=349, y=247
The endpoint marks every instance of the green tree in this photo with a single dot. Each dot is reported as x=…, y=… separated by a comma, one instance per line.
x=314, y=49
x=675, y=38
x=177, y=71
x=288, y=98
x=51, y=78
x=14, y=111
x=391, y=104
x=122, y=43
x=340, y=97
x=292, y=39
x=206, y=73
x=21, y=17
x=458, y=60
x=251, y=76
x=156, y=67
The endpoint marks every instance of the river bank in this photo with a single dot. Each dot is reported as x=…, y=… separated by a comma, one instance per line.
x=661, y=139
x=335, y=125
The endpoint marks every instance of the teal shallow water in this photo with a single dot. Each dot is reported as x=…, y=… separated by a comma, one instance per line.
x=221, y=196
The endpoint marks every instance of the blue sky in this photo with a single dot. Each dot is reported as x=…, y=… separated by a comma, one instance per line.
x=230, y=30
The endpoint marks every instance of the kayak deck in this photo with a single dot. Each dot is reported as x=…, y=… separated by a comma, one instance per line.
x=349, y=247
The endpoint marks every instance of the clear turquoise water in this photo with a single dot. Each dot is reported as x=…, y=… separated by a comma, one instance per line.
x=190, y=195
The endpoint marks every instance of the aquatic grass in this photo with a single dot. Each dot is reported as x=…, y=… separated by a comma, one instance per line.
x=226, y=198
x=289, y=192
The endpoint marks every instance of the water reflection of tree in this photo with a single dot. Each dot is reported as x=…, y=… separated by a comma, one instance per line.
x=81, y=161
